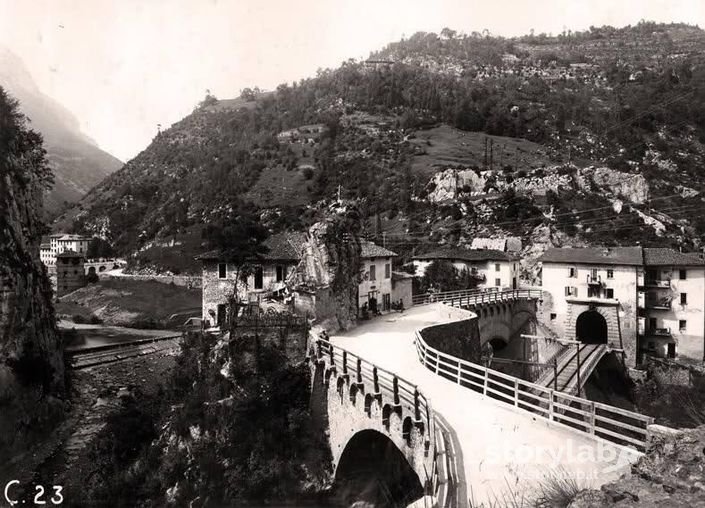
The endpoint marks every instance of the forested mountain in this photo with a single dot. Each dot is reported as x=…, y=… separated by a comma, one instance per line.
x=76, y=161
x=592, y=136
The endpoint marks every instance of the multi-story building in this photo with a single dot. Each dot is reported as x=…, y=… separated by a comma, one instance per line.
x=627, y=297
x=673, y=297
x=54, y=245
x=375, y=289
x=268, y=275
x=491, y=268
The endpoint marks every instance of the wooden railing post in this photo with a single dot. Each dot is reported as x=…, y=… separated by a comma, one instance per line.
x=319, y=349
x=578, y=356
x=516, y=392
x=375, y=379
x=460, y=370
x=395, y=384
x=417, y=408
x=331, y=354
x=438, y=362
x=484, y=383
x=359, y=370
x=555, y=373
x=550, y=405
x=592, y=418
x=345, y=362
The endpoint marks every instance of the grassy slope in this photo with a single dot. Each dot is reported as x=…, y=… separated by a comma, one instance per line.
x=129, y=302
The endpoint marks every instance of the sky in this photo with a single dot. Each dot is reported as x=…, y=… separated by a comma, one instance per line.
x=125, y=66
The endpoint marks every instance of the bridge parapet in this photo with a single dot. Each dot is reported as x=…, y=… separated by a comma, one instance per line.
x=601, y=420
x=472, y=297
x=362, y=396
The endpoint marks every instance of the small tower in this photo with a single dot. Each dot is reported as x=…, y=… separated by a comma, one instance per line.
x=69, y=272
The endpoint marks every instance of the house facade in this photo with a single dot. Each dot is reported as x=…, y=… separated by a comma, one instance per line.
x=54, y=245
x=626, y=297
x=375, y=288
x=262, y=277
x=492, y=268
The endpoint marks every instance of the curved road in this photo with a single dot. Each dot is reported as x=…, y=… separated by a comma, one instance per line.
x=507, y=453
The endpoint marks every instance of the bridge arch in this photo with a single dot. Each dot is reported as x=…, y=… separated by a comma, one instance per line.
x=591, y=327
x=373, y=469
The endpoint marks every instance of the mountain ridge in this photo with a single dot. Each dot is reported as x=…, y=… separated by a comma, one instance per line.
x=77, y=161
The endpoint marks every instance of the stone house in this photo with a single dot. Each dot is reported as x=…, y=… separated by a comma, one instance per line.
x=492, y=268
x=646, y=301
x=375, y=289
x=264, y=276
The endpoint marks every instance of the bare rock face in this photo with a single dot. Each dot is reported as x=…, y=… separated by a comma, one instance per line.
x=330, y=267
x=449, y=184
x=31, y=352
x=630, y=187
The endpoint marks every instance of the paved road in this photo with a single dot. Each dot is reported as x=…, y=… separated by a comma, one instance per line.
x=506, y=452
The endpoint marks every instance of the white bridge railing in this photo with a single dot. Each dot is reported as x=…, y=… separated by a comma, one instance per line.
x=608, y=422
x=476, y=296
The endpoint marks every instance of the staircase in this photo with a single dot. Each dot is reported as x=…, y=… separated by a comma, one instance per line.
x=567, y=367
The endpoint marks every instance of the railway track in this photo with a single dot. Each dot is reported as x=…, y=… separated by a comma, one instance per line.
x=112, y=353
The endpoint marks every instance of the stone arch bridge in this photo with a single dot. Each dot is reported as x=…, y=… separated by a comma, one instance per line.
x=452, y=446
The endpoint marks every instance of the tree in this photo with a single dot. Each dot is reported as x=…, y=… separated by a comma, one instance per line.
x=238, y=237
x=99, y=248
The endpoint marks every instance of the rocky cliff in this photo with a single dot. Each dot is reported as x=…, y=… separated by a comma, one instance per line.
x=330, y=267
x=31, y=352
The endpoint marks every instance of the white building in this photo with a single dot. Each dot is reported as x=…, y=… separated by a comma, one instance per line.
x=492, y=268
x=56, y=244
x=629, y=297
x=375, y=289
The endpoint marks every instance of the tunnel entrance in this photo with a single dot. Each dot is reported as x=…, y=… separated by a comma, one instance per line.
x=591, y=328
x=374, y=471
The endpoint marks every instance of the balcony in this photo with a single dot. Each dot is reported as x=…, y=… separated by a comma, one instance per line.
x=661, y=304
x=659, y=332
x=659, y=284
x=594, y=280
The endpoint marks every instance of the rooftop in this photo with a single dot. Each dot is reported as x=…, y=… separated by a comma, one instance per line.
x=461, y=254
x=280, y=247
x=372, y=250
x=670, y=257
x=629, y=256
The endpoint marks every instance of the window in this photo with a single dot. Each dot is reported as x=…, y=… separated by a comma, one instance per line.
x=387, y=271
x=497, y=282
x=684, y=299
x=610, y=274
x=573, y=273
x=222, y=270
x=593, y=272
x=593, y=292
x=496, y=267
x=682, y=325
x=653, y=324
x=609, y=293
x=373, y=272
x=571, y=291
x=682, y=274
x=553, y=316
x=280, y=273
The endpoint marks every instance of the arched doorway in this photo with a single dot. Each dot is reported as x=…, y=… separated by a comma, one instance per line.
x=373, y=470
x=591, y=328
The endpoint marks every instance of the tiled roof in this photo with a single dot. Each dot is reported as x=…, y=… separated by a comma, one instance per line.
x=280, y=247
x=466, y=255
x=630, y=256
x=371, y=250
x=670, y=257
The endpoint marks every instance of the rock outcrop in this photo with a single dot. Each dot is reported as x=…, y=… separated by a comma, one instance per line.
x=448, y=185
x=672, y=473
x=628, y=186
x=31, y=352
x=329, y=271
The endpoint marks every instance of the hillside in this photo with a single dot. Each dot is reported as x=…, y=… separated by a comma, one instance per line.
x=582, y=137
x=77, y=162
